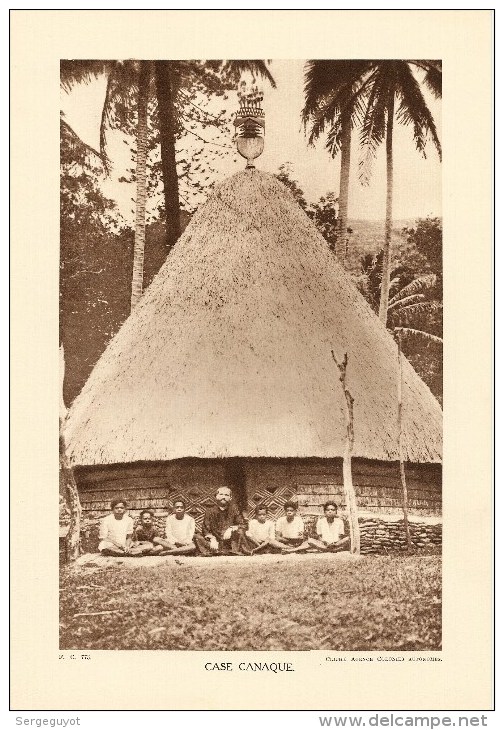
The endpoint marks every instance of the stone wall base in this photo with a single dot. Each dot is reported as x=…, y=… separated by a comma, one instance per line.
x=385, y=536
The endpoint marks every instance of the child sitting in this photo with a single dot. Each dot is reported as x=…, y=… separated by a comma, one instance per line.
x=261, y=532
x=330, y=530
x=290, y=530
x=179, y=531
x=116, y=530
x=146, y=540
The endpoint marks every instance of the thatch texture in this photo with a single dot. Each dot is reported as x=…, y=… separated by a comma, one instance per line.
x=229, y=351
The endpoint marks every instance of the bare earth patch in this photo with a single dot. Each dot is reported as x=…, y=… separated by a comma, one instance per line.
x=271, y=602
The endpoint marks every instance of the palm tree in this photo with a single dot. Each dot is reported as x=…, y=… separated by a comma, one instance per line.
x=141, y=182
x=124, y=81
x=371, y=94
x=392, y=92
x=334, y=102
x=129, y=80
x=128, y=85
x=172, y=79
x=121, y=90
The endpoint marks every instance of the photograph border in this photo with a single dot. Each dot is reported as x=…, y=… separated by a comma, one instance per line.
x=463, y=39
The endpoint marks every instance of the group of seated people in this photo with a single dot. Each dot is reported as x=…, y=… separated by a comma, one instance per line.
x=224, y=531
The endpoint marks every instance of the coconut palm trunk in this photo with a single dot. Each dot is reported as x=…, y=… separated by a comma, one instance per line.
x=346, y=139
x=387, y=249
x=141, y=183
x=166, y=111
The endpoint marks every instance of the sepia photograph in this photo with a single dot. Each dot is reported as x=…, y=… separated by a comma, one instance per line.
x=251, y=349
x=251, y=281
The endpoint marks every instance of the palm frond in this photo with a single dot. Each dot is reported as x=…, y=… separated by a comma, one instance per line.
x=332, y=89
x=374, y=125
x=74, y=142
x=79, y=71
x=323, y=78
x=105, y=123
x=413, y=310
x=418, y=285
x=419, y=333
x=433, y=75
x=120, y=94
x=413, y=299
x=235, y=68
x=396, y=78
x=413, y=110
x=354, y=104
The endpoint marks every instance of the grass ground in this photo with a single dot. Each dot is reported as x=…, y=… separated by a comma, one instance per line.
x=375, y=603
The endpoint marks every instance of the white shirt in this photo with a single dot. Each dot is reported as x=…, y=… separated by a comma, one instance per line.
x=261, y=531
x=180, y=530
x=330, y=532
x=290, y=530
x=116, y=531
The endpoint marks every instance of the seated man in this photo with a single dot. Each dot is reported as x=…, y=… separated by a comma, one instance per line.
x=179, y=531
x=330, y=530
x=116, y=530
x=223, y=527
x=146, y=540
x=290, y=530
x=261, y=532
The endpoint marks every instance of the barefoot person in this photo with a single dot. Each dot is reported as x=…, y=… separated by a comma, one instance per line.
x=261, y=532
x=223, y=527
x=179, y=531
x=330, y=531
x=116, y=530
x=290, y=530
x=146, y=539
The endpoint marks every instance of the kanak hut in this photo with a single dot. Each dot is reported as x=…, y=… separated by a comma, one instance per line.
x=223, y=375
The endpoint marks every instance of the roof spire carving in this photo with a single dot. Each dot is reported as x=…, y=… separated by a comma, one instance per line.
x=249, y=122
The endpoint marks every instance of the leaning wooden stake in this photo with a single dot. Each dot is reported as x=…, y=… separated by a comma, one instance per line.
x=348, y=486
x=67, y=480
x=400, y=439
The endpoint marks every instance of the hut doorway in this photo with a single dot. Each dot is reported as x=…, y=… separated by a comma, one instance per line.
x=236, y=479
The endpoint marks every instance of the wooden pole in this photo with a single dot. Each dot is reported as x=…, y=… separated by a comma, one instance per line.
x=387, y=246
x=348, y=486
x=67, y=479
x=400, y=439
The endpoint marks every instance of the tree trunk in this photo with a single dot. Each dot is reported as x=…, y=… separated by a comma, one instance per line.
x=141, y=184
x=400, y=440
x=346, y=140
x=67, y=480
x=385, y=284
x=166, y=111
x=348, y=487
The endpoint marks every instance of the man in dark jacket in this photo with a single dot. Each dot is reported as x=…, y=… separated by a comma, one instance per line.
x=223, y=527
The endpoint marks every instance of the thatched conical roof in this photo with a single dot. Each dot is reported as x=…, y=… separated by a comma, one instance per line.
x=229, y=351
